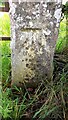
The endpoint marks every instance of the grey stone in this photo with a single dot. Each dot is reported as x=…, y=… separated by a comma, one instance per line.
x=34, y=32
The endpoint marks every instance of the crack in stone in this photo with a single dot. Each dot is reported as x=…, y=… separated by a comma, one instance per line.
x=29, y=29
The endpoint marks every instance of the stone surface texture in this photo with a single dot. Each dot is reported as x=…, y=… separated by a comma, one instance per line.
x=34, y=32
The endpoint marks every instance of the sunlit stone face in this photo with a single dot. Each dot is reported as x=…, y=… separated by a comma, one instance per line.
x=34, y=31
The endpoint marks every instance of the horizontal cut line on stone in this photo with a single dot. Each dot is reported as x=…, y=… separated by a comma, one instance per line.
x=29, y=29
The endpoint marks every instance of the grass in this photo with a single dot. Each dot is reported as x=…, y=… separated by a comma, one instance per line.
x=6, y=59
x=4, y=24
x=61, y=42
x=48, y=101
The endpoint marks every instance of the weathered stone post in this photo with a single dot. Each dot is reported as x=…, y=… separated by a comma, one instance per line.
x=34, y=31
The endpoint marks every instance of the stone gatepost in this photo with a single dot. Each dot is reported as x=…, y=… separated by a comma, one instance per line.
x=34, y=31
